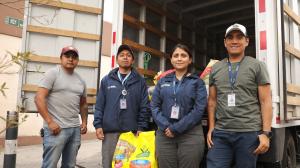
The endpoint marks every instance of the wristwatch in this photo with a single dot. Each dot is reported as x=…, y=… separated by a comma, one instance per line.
x=267, y=133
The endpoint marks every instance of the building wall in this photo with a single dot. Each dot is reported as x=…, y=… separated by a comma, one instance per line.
x=10, y=40
x=11, y=44
x=12, y=10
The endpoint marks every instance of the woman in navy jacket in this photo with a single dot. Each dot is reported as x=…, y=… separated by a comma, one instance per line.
x=178, y=102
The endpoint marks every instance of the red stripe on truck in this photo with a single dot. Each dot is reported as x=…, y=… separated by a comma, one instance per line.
x=112, y=61
x=114, y=37
x=277, y=120
x=262, y=6
x=263, y=40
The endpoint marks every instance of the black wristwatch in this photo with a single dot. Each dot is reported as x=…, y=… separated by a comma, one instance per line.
x=267, y=133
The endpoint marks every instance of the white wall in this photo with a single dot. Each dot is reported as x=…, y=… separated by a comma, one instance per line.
x=11, y=44
x=33, y=122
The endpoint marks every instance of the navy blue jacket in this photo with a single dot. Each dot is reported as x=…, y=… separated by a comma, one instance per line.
x=191, y=97
x=108, y=114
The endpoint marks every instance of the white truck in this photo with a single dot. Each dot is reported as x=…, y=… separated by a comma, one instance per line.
x=278, y=43
x=273, y=28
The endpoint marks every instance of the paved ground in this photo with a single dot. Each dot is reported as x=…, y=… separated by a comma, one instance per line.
x=31, y=156
x=89, y=155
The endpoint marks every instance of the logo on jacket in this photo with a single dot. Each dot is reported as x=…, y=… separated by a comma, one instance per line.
x=111, y=87
x=165, y=85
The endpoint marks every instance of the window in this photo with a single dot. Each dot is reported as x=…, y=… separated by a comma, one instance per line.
x=199, y=60
x=154, y=63
x=152, y=40
x=153, y=19
x=187, y=35
x=136, y=57
x=168, y=64
x=132, y=9
x=130, y=32
x=170, y=44
x=171, y=28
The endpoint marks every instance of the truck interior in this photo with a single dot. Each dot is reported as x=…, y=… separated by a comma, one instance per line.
x=156, y=26
x=161, y=24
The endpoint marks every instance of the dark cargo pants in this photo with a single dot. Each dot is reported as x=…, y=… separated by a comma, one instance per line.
x=183, y=151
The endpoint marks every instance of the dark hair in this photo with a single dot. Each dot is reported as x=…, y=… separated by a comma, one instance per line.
x=186, y=49
x=183, y=47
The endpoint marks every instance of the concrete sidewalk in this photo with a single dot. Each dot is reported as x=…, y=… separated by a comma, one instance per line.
x=89, y=155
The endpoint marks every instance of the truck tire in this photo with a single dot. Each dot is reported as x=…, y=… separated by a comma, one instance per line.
x=289, y=155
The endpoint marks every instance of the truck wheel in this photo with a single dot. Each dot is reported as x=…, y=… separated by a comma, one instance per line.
x=289, y=155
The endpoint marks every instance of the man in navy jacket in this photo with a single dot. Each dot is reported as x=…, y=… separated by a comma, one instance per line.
x=122, y=104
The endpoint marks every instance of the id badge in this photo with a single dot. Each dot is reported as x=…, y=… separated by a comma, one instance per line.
x=231, y=100
x=175, y=112
x=123, y=104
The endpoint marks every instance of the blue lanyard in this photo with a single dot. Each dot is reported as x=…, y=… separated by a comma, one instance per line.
x=123, y=80
x=175, y=89
x=233, y=75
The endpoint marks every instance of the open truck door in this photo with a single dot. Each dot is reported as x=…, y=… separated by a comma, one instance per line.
x=273, y=29
x=278, y=44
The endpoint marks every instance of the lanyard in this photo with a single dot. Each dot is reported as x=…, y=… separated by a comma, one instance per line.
x=233, y=75
x=124, y=91
x=175, y=89
x=123, y=80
